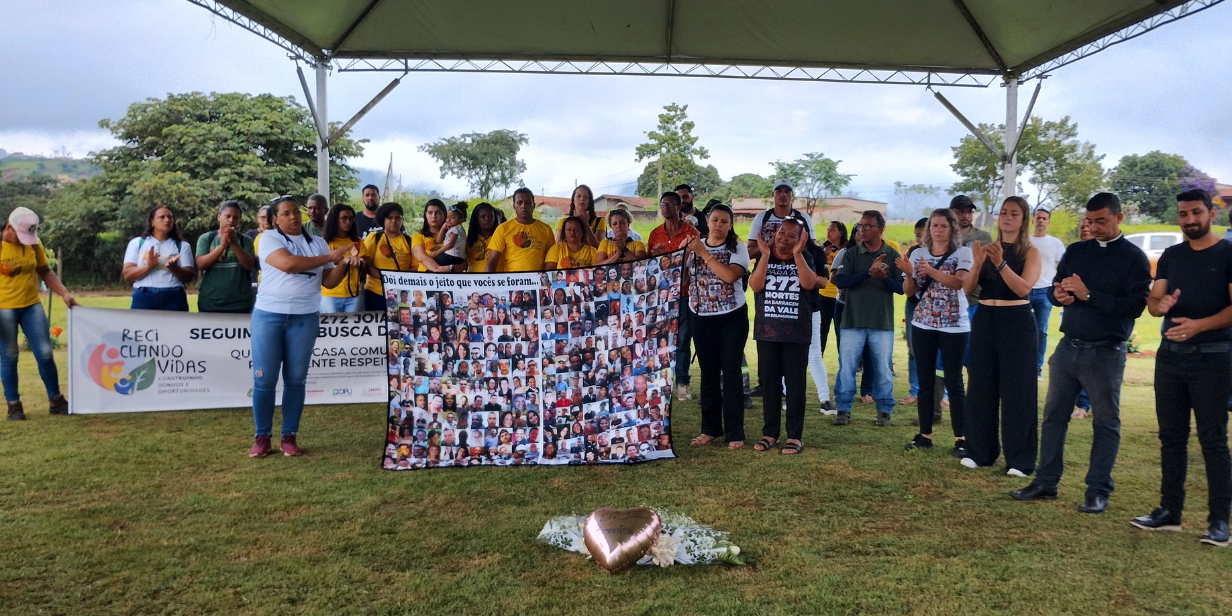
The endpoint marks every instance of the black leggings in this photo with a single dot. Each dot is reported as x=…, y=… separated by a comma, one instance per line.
x=1003, y=360
x=720, y=351
x=828, y=305
x=952, y=346
x=787, y=363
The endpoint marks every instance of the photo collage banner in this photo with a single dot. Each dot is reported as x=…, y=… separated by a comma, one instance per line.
x=563, y=367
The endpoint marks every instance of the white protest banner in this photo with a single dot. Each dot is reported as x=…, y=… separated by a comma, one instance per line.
x=567, y=367
x=150, y=360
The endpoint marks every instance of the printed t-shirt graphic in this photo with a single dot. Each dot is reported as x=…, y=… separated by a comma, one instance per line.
x=783, y=311
x=565, y=259
x=609, y=246
x=349, y=287
x=429, y=244
x=767, y=223
x=522, y=247
x=18, y=287
x=708, y=294
x=941, y=308
x=387, y=253
x=477, y=255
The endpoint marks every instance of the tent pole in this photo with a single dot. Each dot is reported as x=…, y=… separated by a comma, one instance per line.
x=1009, y=176
x=322, y=67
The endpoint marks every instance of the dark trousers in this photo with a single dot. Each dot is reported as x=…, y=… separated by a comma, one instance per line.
x=719, y=354
x=828, y=307
x=1198, y=381
x=684, y=337
x=866, y=358
x=374, y=302
x=785, y=362
x=1099, y=369
x=1003, y=340
x=155, y=298
x=951, y=346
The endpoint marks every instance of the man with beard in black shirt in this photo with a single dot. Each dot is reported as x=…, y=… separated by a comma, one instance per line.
x=1193, y=367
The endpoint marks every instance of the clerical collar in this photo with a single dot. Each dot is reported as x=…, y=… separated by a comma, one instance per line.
x=1105, y=244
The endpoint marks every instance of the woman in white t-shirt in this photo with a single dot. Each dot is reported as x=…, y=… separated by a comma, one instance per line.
x=934, y=276
x=158, y=263
x=715, y=269
x=285, y=319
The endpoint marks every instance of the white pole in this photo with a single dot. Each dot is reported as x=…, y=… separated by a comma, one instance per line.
x=1009, y=176
x=322, y=151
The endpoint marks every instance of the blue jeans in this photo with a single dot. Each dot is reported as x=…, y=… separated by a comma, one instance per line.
x=881, y=346
x=154, y=298
x=341, y=304
x=684, y=336
x=281, y=342
x=34, y=324
x=913, y=378
x=1099, y=371
x=1042, y=309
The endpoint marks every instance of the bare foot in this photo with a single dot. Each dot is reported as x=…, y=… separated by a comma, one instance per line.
x=735, y=445
x=867, y=399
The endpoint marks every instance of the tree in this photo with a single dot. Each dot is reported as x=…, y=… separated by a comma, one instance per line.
x=485, y=160
x=674, y=144
x=911, y=197
x=1152, y=180
x=704, y=180
x=192, y=151
x=31, y=191
x=813, y=177
x=1192, y=177
x=742, y=186
x=1064, y=170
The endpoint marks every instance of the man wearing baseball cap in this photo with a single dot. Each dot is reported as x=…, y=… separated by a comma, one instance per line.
x=22, y=264
x=964, y=212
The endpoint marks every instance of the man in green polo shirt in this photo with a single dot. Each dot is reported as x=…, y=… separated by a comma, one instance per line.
x=871, y=279
x=224, y=258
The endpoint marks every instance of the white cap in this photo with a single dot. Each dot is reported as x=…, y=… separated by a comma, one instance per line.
x=25, y=222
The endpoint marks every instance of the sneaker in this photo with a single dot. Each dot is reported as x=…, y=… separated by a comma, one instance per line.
x=1013, y=472
x=16, y=413
x=754, y=392
x=1040, y=376
x=683, y=393
x=58, y=405
x=1216, y=535
x=968, y=462
x=883, y=420
x=260, y=447
x=828, y=408
x=842, y=418
x=920, y=442
x=289, y=448
x=960, y=449
x=1159, y=519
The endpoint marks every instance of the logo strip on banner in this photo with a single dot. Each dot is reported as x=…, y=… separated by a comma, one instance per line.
x=566, y=367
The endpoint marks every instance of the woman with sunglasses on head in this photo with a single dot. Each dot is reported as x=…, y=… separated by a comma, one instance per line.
x=340, y=231
x=158, y=263
x=386, y=249
x=285, y=319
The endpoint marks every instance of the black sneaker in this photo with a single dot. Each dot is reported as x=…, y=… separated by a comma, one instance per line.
x=960, y=449
x=920, y=442
x=1159, y=519
x=828, y=408
x=1217, y=534
x=883, y=420
x=843, y=418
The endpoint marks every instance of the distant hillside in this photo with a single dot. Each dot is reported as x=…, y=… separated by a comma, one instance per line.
x=18, y=165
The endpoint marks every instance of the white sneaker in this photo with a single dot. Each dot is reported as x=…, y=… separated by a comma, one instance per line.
x=968, y=462
x=683, y=393
x=1013, y=472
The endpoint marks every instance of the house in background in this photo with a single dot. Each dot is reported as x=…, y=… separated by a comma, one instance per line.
x=846, y=210
x=640, y=208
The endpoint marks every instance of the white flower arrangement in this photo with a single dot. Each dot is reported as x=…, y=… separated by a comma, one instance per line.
x=683, y=541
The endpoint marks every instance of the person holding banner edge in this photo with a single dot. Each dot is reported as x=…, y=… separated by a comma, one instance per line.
x=285, y=319
x=23, y=263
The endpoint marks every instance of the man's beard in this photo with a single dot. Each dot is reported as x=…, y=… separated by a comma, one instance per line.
x=1198, y=233
x=964, y=224
x=370, y=207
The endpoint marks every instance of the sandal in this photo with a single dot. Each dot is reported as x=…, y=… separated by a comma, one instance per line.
x=765, y=443
x=1080, y=414
x=702, y=440
x=909, y=400
x=735, y=445
x=792, y=448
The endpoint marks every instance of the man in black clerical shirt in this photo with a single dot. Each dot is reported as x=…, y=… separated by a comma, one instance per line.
x=1102, y=284
x=1193, y=292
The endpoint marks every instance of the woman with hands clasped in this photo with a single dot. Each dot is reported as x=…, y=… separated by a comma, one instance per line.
x=286, y=318
x=935, y=274
x=782, y=327
x=158, y=263
x=714, y=271
x=1003, y=347
x=620, y=247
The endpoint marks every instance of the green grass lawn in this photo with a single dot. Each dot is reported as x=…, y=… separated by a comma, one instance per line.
x=164, y=513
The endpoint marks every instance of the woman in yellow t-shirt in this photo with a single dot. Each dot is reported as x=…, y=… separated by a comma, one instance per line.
x=620, y=247
x=582, y=205
x=340, y=230
x=387, y=249
x=423, y=243
x=573, y=252
x=484, y=220
x=836, y=238
x=22, y=264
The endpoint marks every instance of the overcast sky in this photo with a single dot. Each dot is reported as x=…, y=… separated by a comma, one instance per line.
x=66, y=64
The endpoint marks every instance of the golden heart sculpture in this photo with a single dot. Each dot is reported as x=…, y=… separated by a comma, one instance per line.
x=618, y=538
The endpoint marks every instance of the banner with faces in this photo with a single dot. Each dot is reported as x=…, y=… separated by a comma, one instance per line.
x=562, y=367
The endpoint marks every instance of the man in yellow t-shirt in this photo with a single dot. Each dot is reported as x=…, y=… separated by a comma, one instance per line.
x=22, y=264
x=520, y=245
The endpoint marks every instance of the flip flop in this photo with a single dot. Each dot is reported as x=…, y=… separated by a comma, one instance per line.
x=702, y=440
x=791, y=449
